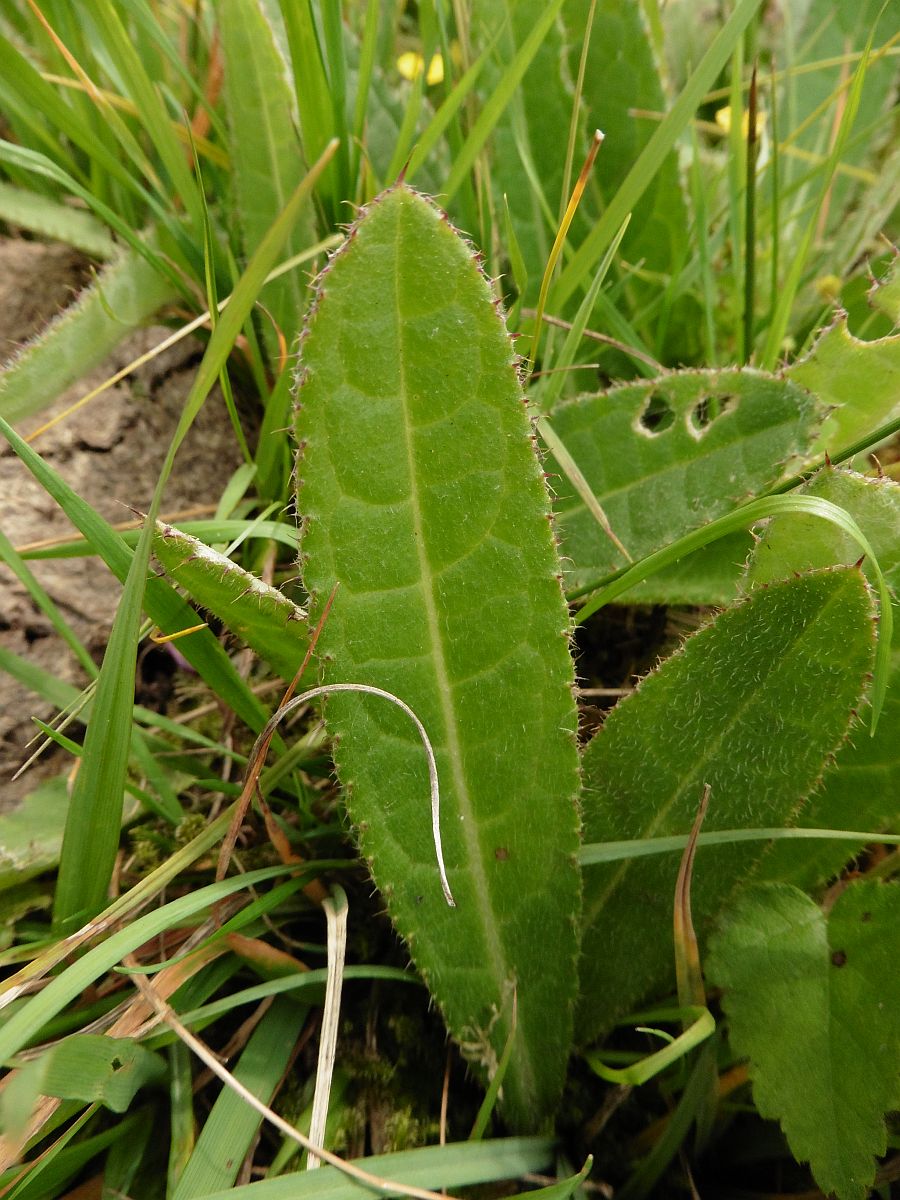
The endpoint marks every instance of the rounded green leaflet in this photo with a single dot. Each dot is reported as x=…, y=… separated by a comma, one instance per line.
x=422, y=498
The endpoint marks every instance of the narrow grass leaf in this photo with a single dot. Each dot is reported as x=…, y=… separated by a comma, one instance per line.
x=25, y=159
x=492, y=109
x=750, y=514
x=623, y=83
x=92, y=827
x=148, y=101
x=778, y=322
x=812, y=1000
x=453, y=1166
x=714, y=713
x=44, y=604
x=231, y=1126
x=209, y=532
x=25, y=1024
x=162, y=603
x=533, y=129
x=606, y=852
x=405, y=350
x=50, y=219
x=653, y=156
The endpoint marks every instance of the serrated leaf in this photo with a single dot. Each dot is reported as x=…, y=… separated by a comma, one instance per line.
x=862, y=379
x=860, y=790
x=261, y=616
x=661, y=461
x=87, y=1067
x=266, y=157
x=422, y=497
x=812, y=1000
x=751, y=705
x=122, y=297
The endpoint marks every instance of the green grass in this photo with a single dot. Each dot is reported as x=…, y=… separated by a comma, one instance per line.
x=685, y=363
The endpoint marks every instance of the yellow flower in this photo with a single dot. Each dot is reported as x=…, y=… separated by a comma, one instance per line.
x=411, y=63
x=723, y=120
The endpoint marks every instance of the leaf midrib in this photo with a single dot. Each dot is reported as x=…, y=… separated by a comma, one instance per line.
x=496, y=951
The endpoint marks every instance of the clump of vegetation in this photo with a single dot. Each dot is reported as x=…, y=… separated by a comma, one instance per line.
x=651, y=372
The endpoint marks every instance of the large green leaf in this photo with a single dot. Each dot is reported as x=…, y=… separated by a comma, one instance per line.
x=422, y=498
x=668, y=455
x=254, y=611
x=751, y=705
x=860, y=789
x=267, y=162
x=812, y=1000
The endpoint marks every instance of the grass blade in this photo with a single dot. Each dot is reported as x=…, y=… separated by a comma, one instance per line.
x=661, y=143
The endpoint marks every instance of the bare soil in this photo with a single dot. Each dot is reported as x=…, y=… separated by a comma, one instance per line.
x=110, y=452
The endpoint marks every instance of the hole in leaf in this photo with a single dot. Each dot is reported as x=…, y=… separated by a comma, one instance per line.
x=709, y=407
x=657, y=415
x=839, y=958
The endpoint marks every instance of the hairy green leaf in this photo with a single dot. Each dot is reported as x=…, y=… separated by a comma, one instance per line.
x=668, y=455
x=422, y=498
x=257, y=613
x=50, y=219
x=751, y=705
x=885, y=294
x=124, y=295
x=860, y=790
x=812, y=1000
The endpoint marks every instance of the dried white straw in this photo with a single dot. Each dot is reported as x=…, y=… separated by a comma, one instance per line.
x=369, y=690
